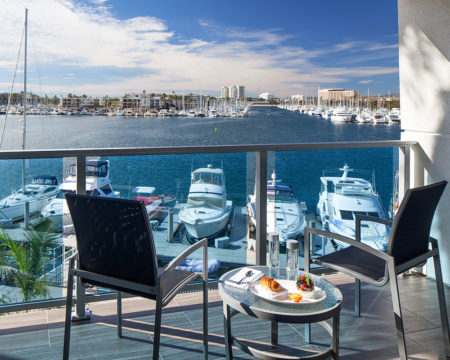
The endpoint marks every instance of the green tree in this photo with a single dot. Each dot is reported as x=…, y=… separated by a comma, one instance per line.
x=24, y=261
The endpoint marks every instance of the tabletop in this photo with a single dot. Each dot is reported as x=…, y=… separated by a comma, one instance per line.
x=247, y=302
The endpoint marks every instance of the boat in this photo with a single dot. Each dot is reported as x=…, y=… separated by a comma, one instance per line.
x=341, y=115
x=98, y=183
x=207, y=211
x=363, y=117
x=285, y=215
x=341, y=198
x=41, y=191
x=379, y=117
x=394, y=116
x=146, y=195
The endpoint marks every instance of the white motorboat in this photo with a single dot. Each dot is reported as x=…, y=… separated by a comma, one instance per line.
x=207, y=212
x=37, y=194
x=379, y=117
x=98, y=183
x=341, y=198
x=341, y=115
x=285, y=214
x=394, y=116
x=191, y=113
x=146, y=194
x=363, y=117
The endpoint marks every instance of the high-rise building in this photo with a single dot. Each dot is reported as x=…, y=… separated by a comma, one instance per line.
x=241, y=92
x=233, y=92
x=225, y=93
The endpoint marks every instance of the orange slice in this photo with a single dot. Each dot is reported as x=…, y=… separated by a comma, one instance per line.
x=295, y=297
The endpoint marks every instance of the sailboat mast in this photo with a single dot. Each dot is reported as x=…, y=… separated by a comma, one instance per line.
x=25, y=84
x=26, y=204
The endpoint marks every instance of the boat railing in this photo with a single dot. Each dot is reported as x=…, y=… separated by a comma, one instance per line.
x=411, y=170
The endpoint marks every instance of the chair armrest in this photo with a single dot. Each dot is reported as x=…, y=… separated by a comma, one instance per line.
x=345, y=239
x=359, y=218
x=174, y=263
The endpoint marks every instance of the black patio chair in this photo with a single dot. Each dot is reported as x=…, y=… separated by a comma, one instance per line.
x=116, y=251
x=408, y=247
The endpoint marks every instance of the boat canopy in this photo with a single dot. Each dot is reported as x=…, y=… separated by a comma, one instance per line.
x=44, y=180
x=208, y=176
x=98, y=168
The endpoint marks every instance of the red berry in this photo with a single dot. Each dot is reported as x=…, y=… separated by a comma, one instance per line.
x=303, y=277
x=304, y=285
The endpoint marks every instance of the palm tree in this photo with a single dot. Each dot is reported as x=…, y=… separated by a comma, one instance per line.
x=25, y=261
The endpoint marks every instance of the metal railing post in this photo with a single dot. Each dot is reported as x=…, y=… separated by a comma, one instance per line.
x=404, y=171
x=261, y=207
x=80, y=309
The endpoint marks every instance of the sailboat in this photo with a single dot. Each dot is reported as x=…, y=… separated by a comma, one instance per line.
x=31, y=198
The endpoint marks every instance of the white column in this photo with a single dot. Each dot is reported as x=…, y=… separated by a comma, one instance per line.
x=424, y=41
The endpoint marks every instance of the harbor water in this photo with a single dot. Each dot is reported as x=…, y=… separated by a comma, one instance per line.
x=170, y=174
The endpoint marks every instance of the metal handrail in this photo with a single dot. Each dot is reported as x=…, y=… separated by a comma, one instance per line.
x=173, y=150
x=261, y=175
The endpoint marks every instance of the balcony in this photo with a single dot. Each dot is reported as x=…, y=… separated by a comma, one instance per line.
x=41, y=332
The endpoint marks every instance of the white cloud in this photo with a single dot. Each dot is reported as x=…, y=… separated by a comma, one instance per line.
x=77, y=38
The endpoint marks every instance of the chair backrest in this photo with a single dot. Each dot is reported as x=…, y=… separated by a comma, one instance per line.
x=411, y=228
x=114, y=238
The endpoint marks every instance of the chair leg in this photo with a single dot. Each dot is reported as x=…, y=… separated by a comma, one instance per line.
x=358, y=297
x=442, y=306
x=68, y=320
x=119, y=314
x=157, y=329
x=205, y=320
x=397, y=311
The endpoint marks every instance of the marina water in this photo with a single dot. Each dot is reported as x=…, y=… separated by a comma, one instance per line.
x=170, y=174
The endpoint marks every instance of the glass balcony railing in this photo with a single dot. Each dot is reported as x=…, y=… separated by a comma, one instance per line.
x=257, y=189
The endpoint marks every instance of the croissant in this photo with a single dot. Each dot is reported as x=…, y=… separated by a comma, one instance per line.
x=270, y=284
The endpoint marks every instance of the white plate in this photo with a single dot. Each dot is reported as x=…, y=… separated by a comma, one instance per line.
x=282, y=296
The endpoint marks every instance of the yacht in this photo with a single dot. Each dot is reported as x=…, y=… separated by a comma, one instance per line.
x=41, y=191
x=146, y=194
x=341, y=198
x=98, y=183
x=285, y=215
x=341, y=115
x=379, y=117
x=207, y=212
x=363, y=117
x=394, y=116
x=191, y=113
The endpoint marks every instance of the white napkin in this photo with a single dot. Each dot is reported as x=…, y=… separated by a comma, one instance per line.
x=239, y=280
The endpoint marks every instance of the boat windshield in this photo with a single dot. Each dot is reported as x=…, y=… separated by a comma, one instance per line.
x=44, y=181
x=203, y=201
x=280, y=196
x=91, y=170
x=206, y=178
x=350, y=215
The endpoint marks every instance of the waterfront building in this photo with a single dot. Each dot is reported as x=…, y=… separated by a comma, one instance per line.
x=240, y=92
x=266, y=96
x=337, y=96
x=225, y=92
x=233, y=92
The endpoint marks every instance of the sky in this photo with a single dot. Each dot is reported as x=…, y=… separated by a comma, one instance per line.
x=110, y=47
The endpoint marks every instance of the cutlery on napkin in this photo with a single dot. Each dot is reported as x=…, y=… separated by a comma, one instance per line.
x=244, y=277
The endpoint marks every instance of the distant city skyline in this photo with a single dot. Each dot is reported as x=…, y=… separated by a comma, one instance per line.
x=110, y=47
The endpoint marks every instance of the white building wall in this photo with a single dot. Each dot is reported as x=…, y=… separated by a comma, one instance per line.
x=424, y=41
